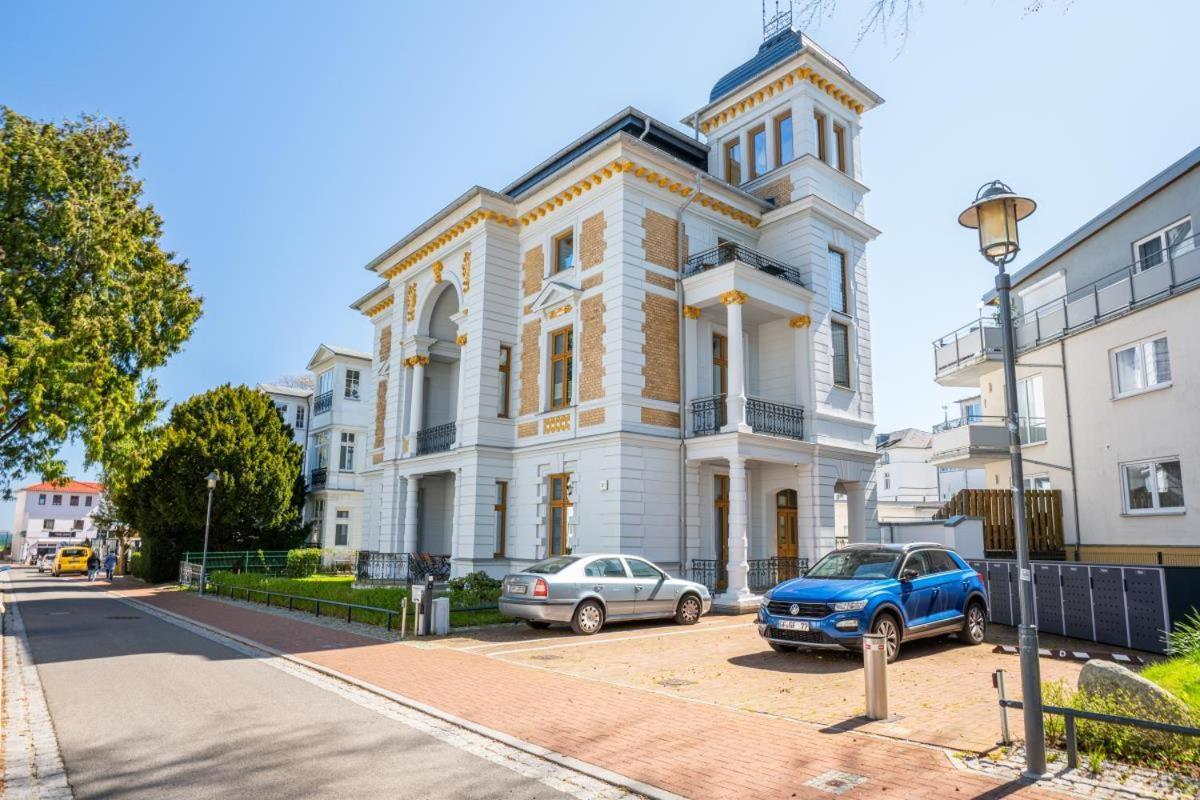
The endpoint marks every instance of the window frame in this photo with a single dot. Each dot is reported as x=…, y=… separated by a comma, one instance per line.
x=1161, y=236
x=568, y=359
x=846, y=325
x=819, y=119
x=1023, y=420
x=340, y=540
x=356, y=380
x=1155, y=509
x=346, y=446
x=87, y=501
x=778, y=123
x=319, y=517
x=500, y=507
x=301, y=414
x=844, y=260
x=48, y=523
x=555, y=242
x=504, y=366
x=721, y=365
x=74, y=501
x=752, y=162
x=842, y=161
x=41, y=500
x=1143, y=375
x=325, y=381
x=321, y=450
x=563, y=505
x=56, y=500
x=726, y=149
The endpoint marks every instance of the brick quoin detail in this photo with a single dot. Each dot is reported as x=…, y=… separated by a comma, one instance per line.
x=591, y=241
x=527, y=429
x=660, y=280
x=531, y=366
x=661, y=349
x=380, y=410
x=591, y=373
x=385, y=343
x=593, y=416
x=591, y=282
x=660, y=241
x=535, y=265
x=780, y=191
x=654, y=416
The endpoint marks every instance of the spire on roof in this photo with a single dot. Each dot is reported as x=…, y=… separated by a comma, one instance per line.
x=782, y=20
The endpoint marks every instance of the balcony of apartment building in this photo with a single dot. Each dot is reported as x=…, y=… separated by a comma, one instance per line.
x=962, y=356
x=974, y=441
x=746, y=344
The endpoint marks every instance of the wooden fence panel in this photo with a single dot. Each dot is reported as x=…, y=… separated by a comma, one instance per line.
x=1043, y=517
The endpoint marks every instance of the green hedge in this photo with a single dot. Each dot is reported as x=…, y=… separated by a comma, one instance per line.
x=137, y=566
x=303, y=562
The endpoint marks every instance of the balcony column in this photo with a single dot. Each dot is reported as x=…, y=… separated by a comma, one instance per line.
x=417, y=399
x=805, y=394
x=735, y=402
x=856, y=512
x=693, y=354
x=737, y=595
x=412, y=484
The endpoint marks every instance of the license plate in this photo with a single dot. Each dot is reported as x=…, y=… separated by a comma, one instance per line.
x=517, y=588
x=793, y=625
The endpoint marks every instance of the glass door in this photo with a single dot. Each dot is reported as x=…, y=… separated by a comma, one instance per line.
x=721, y=515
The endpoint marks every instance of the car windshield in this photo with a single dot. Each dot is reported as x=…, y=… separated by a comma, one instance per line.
x=72, y=553
x=855, y=565
x=552, y=566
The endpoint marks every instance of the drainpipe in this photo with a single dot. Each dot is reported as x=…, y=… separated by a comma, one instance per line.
x=1062, y=351
x=679, y=233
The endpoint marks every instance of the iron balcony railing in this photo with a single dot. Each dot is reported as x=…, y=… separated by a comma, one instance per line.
x=708, y=415
x=727, y=253
x=317, y=477
x=437, y=439
x=1163, y=274
x=775, y=419
x=323, y=402
x=374, y=567
x=764, y=573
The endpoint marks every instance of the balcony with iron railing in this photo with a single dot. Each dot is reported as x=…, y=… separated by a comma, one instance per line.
x=318, y=477
x=763, y=573
x=437, y=439
x=323, y=402
x=729, y=253
x=762, y=416
x=961, y=356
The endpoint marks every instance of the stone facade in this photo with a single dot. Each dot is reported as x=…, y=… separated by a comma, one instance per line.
x=591, y=241
x=661, y=240
x=591, y=373
x=661, y=349
x=535, y=263
x=531, y=366
x=779, y=192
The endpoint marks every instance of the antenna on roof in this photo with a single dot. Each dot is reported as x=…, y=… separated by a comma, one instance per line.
x=782, y=20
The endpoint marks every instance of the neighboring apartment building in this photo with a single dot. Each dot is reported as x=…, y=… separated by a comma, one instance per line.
x=1108, y=376
x=648, y=343
x=907, y=485
x=49, y=516
x=295, y=406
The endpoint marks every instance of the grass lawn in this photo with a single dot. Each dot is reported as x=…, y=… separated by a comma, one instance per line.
x=339, y=589
x=1179, y=676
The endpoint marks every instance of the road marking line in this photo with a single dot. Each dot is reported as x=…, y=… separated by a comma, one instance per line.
x=563, y=638
x=589, y=643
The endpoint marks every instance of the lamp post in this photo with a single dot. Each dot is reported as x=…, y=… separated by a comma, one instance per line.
x=995, y=214
x=212, y=484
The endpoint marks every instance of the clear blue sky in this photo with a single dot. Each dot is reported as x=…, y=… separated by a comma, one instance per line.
x=286, y=144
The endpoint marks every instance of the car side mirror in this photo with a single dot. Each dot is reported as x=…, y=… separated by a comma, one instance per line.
x=908, y=574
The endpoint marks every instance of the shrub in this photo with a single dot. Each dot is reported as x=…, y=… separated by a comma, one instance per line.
x=1185, y=639
x=475, y=589
x=303, y=562
x=136, y=567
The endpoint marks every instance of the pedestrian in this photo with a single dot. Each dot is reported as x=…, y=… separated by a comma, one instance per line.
x=93, y=565
x=110, y=564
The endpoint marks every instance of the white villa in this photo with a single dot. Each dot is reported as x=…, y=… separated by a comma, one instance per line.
x=49, y=516
x=651, y=342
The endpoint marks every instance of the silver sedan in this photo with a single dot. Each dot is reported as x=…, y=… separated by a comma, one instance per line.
x=588, y=590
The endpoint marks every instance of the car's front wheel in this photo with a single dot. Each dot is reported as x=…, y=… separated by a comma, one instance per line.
x=537, y=624
x=588, y=618
x=689, y=610
x=886, y=626
x=975, y=625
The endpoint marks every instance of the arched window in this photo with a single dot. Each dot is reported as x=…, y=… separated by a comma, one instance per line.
x=785, y=498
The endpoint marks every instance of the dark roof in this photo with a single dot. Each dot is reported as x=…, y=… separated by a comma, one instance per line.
x=1171, y=173
x=772, y=51
x=629, y=121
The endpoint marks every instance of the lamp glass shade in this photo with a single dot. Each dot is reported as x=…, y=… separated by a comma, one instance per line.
x=212, y=479
x=998, y=238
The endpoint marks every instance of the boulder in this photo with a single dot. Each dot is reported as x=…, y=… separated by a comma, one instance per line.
x=1145, y=699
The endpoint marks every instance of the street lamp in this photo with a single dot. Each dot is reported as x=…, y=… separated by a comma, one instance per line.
x=212, y=484
x=995, y=214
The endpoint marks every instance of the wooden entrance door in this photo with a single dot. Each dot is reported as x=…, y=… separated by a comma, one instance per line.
x=721, y=515
x=787, y=534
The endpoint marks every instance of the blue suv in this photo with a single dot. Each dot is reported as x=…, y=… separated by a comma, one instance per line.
x=903, y=591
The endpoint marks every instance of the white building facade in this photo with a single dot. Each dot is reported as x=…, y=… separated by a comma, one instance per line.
x=49, y=516
x=647, y=344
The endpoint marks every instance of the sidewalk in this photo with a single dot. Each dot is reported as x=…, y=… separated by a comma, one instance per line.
x=691, y=749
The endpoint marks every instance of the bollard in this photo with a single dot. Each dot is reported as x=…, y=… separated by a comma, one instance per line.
x=427, y=607
x=998, y=682
x=403, y=617
x=875, y=667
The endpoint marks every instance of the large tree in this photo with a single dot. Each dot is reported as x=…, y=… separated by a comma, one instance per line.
x=238, y=432
x=90, y=303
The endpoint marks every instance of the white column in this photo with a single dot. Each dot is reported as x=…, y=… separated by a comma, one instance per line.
x=412, y=483
x=735, y=403
x=856, y=512
x=738, y=588
x=417, y=405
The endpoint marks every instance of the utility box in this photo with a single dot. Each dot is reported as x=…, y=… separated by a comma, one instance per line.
x=441, y=616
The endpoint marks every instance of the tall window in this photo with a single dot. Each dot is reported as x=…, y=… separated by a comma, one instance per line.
x=56, y=500
x=720, y=363
x=1031, y=407
x=319, y=521
x=41, y=499
x=1141, y=366
x=733, y=161
x=346, y=457
x=87, y=501
x=501, y=510
x=325, y=382
x=561, y=364
x=300, y=413
x=564, y=251
x=1177, y=238
x=785, y=147
x=321, y=454
x=758, y=151
x=839, y=148
x=341, y=528
x=819, y=122
x=352, y=379
x=74, y=499
x=840, y=334
x=1152, y=486
x=839, y=290
x=283, y=409
x=559, y=504
x=505, y=379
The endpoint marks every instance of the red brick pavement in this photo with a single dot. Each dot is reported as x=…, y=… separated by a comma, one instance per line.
x=691, y=749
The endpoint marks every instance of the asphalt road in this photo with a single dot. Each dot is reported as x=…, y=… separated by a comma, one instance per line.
x=145, y=709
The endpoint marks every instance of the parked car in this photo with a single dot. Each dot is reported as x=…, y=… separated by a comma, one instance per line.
x=903, y=591
x=586, y=591
x=70, y=559
x=45, y=562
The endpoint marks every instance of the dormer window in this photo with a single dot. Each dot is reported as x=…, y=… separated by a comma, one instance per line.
x=564, y=251
x=784, y=147
x=733, y=161
x=758, y=151
x=822, y=151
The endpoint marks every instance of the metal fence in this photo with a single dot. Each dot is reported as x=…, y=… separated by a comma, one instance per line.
x=395, y=568
x=729, y=252
x=267, y=562
x=764, y=573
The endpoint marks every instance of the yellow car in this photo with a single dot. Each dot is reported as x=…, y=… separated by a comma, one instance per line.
x=70, y=559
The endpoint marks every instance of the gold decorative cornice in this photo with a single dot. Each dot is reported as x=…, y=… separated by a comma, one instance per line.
x=719, y=118
x=381, y=305
x=800, y=321
x=733, y=297
x=461, y=340
x=410, y=302
x=466, y=272
x=448, y=235
x=691, y=312
x=437, y=272
x=558, y=312
x=413, y=361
